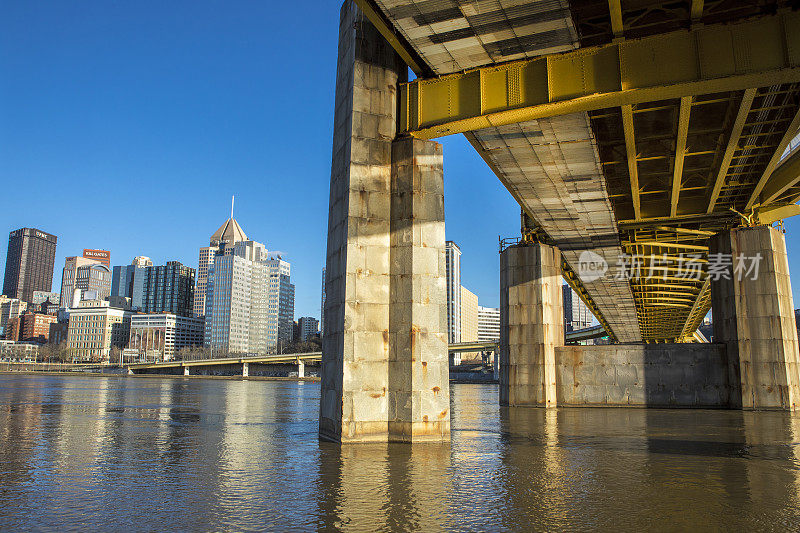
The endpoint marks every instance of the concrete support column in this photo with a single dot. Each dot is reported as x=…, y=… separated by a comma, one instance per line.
x=355, y=367
x=419, y=375
x=186, y=371
x=301, y=369
x=531, y=324
x=245, y=370
x=753, y=314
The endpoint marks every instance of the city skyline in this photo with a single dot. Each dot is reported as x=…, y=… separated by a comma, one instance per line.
x=199, y=134
x=183, y=122
x=312, y=310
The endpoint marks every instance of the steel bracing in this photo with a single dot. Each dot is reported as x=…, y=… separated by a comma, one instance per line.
x=635, y=129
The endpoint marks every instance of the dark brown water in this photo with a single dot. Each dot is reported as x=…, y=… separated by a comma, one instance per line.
x=192, y=454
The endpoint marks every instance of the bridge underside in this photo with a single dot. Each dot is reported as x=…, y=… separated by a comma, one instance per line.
x=632, y=128
x=642, y=132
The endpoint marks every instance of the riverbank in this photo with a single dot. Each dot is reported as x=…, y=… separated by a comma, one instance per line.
x=171, y=376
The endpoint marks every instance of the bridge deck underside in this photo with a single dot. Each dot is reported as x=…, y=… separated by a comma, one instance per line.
x=648, y=182
x=452, y=36
x=550, y=166
x=682, y=204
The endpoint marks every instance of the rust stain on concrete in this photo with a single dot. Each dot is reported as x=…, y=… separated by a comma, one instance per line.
x=414, y=332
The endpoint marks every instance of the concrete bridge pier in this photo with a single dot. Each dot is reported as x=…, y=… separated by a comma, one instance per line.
x=245, y=369
x=531, y=324
x=301, y=368
x=753, y=314
x=186, y=371
x=384, y=373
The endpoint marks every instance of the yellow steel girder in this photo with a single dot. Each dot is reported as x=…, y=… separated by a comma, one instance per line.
x=771, y=214
x=633, y=166
x=699, y=310
x=706, y=59
x=680, y=152
x=791, y=131
x=782, y=179
x=733, y=143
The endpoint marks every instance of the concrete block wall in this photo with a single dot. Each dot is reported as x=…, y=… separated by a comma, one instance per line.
x=419, y=392
x=643, y=375
x=384, y=372
x=354, y=403
x=755, y=319
x=531, y=324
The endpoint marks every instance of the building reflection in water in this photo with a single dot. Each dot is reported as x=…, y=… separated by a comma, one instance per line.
x=166, y=453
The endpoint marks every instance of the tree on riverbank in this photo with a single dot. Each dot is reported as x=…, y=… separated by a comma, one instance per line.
x=54, y=353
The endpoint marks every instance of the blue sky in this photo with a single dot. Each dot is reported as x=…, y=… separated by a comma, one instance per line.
x=127, y=126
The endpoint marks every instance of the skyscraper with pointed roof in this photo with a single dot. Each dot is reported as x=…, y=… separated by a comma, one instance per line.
x=228, y=233
x=221, y=242
x=244, y=293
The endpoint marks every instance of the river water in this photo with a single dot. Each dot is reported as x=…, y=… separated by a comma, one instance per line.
x=121, y=453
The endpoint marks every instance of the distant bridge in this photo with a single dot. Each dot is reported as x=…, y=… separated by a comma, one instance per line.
x=295, y=358
x=584, y=334
x=315, y=357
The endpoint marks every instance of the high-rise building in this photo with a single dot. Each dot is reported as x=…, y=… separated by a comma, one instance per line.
x=163, y=289
x=308, y=328
x=453, y=264
x=29, y=263
x=222, y=241
x=103, y=256
x=122, y=277
x=95, y=327
x=322, y=307
x=86, y=275
x=576, y=314
x=280, y=309
x=236, y=300
x=488, y=324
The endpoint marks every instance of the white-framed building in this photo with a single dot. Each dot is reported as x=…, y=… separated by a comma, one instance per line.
x=159, y=337
x=488, y=324
x=19, y=350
